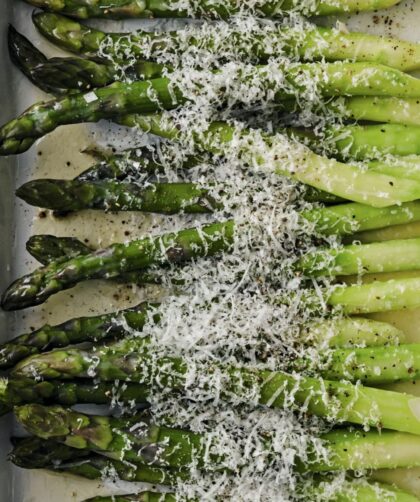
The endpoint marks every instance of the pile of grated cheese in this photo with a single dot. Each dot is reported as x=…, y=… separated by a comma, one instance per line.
x=246, y=308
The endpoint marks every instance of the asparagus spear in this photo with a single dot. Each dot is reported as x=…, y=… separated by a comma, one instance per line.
x=143, y=97
x=389, y=256
x=24, y=390
x=336, y=333
x=340, y=220
x=347, y=492
x=61, y=75
x=314, y=43
x=81, y=329
x=74, y=195
x=120, y=9
x=176, y=447
x=329, y=399
x=178, y=247
x=378, y=109
x=35, y=453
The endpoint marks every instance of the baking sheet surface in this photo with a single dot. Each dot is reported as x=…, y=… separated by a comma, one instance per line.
x=59, y=156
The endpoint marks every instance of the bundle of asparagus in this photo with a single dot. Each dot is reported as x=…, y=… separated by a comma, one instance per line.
x=329, y=368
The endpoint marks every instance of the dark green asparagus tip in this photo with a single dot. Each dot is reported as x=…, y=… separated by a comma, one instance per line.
x=45, y=421
x=66, y=33
x=36, y=453
x=46, y=248
x=22, y=53
x=35, y=192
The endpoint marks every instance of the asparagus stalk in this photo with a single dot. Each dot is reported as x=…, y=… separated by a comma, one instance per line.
x=143, y=97
x=121, y=9
x=340, y=220
x=106, y=195
x=336, y=333
x=62, y=75
x=374, y=365
x=178, y=247
x=176, y=447
x=325, y=398
x=315, y=43
x=81, y=329
x=35, y=453
x=389, y=256
x=24, y=390
x=75, y=195
x=380, y=296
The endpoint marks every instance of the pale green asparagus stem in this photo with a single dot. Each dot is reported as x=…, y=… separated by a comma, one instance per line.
x=352, y=449
x=353, y=332
x=351, y=218
x=389, y=256
x=374, y=365
x=380, y=296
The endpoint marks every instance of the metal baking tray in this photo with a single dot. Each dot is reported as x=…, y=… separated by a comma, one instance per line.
x=59, y=156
